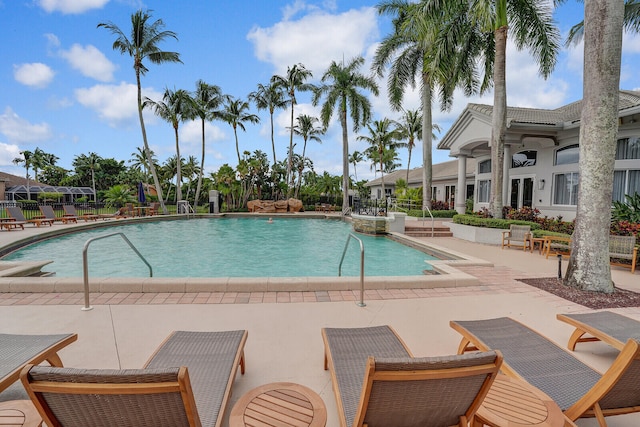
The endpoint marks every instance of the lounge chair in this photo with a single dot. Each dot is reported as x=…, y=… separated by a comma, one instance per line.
x=70, y=210
x=517, y=235
x=611, y=328
x=16, y=213
x=579, y=390
x=11, y=224
x=377, y=382
x=187, y=382
x=623, y=247
x=48, y=213
x=556, y=245
x=154, y=208
x=16, y=351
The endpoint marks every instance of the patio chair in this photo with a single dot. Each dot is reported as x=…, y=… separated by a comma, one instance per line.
x=70, y=210
x=579, y=390
x=606, y=326
x=377, y=382
x=16, y=351
x=187, y=382
x=48, y=213
x=623, y=247
x=517, y=235
x=154, y=208
x=16, y=213
x=556, y=245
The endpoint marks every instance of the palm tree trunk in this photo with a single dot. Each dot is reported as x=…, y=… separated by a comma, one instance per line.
x=290, y=158
x=499, y=123
x=93, y=183
x=178, y=168
x=409, y=163
x=589, y=267
x=273, y=143
x=147, y=151
x=199, y=185
x=345, y=157
x=235, y=132
x=427, y=142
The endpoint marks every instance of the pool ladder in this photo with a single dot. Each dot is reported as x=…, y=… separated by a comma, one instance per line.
x=346, y=245
x=85, y=263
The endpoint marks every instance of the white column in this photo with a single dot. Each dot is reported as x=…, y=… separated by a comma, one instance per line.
x=506, y=179
x=461, y=187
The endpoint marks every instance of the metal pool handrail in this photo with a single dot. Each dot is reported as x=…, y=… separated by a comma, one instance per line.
x=85, y=264
x=353, y=236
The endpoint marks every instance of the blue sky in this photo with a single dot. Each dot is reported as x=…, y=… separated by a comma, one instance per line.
x=63, y=89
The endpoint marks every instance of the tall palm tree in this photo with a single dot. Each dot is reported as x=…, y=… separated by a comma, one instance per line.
x=307, y=129
x=269, y=97
x=144, y=44
x=175, y=107
x=90, y=161
x=139, y=161
x=207, y=102
x=382, y=138
x=441, y=52
x=293, y=81
x=27, y=157
x=342, y=90
x=355, y=158
x=236, y=114
x=589, y=267
x=410, y=126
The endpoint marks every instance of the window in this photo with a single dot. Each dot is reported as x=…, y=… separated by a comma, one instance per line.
x=524, y=159
x=625, y=182
x=567, y=155
x=565, y=189
x=628, y=148
x=484, y=167
x=484, y=191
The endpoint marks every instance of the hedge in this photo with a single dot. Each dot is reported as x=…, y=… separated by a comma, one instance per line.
x=477, y=221
x=436, y=214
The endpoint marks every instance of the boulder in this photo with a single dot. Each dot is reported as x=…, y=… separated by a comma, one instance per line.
x=295, y=205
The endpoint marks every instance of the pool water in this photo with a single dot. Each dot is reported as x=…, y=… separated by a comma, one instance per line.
x=226, y=247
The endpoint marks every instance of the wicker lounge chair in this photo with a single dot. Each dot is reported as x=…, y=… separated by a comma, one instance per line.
x=70, y=210
x=377, y=382
x=16, y=213
x=518, y=235
x=48, y=213
x=16, y=351
x=611, y=328
x=623, y=248
x=579, y=390
x=187, y=382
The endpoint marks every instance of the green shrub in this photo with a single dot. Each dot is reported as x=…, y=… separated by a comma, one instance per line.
x=477, y=221
x=627, y=211
x=542, y=233
x=436, y=214
x=50, y=197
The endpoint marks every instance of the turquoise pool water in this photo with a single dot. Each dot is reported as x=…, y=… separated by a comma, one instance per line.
x=226, y=247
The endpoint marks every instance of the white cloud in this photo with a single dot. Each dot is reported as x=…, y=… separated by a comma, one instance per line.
x=191, y=137
x=90, y=62
x=315, y=39
x=18, y=130
x=36, y=74
x=71, y=6
x=116, y=104
x=8, y=152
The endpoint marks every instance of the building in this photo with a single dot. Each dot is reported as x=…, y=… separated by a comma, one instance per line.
x=15, y=188
x=444, y=179
x=541, y=155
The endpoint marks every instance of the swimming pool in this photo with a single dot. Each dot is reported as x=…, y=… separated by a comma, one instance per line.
x=227, y=247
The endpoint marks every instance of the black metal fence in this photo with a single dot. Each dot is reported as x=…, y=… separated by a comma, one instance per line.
x=373, y=207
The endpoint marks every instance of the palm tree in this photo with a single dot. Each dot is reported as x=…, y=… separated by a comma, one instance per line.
x=143, y=44
x=589, y=267
x=343, y=91
x=236, y=114
x=410, y=126
x=207, y=101
x=441, y=52
x=292, y=82
x=381, y=139
x=355, y=158
x=27, y=157
x=91, y=162
x=139, y=161
x=269, y=97
x=175, y=107
x=306, y=128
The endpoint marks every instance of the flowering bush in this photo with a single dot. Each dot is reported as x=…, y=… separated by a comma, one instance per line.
x=525, y=213
x=625, y=228
x=437, y=205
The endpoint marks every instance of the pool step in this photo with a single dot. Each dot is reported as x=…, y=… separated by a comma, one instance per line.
x=425, y=231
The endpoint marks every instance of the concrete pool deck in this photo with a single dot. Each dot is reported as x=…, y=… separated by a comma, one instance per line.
x=284, y=341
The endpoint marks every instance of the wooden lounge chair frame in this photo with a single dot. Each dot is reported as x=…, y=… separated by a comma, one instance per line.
x=606, y=326
x=16, y=351
x=557, y=245
x=16, y=213
x=413, y=383
x=48, y=213
x=623, y=247
x=186, y=382
x=517, y=235
x=11, y=224
x=70, y=210
x=579, y=390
